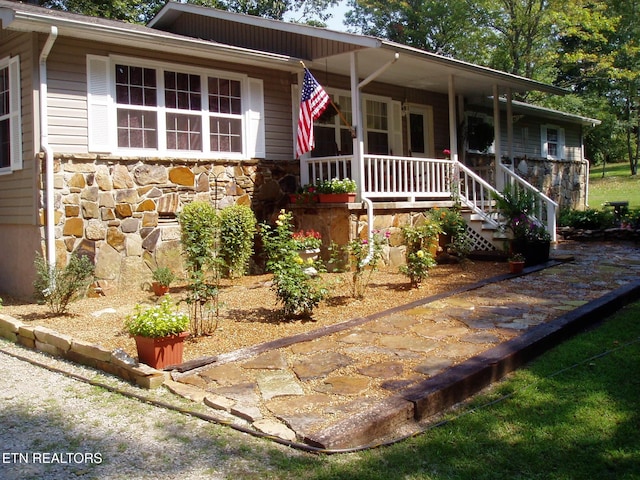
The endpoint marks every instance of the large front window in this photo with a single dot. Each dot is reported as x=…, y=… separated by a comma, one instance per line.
x=332, y=135
x=187, y=119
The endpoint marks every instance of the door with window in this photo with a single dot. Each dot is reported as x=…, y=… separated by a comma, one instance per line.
x=420, y=131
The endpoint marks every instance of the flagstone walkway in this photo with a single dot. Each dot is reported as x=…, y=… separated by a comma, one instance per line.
x=373, y=379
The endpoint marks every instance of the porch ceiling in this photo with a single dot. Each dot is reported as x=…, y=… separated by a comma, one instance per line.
x=427, y=71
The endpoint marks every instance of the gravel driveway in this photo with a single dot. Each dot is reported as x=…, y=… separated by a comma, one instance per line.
x=56, y=427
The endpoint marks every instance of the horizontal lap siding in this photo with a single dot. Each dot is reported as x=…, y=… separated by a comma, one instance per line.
x=68, y=95
x=18, y=194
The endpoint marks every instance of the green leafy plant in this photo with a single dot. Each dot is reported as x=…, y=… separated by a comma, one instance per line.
x=200, y=236
x=157, y=321
x=589, y=219
x=58, y=287
x=163, y=275
x=359, y=250
x=517, y=257
x=237, y=231
x=336, y=185
x=420, y=241
x=297, y=291
x=454, y=226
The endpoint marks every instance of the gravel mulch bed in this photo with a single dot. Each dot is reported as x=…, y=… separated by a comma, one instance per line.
x=249, y=313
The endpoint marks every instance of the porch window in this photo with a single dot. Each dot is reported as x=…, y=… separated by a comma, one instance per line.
x=377, y=127
x=552, y=142
x=10, y=129
x=332, y=136
x=169, y=110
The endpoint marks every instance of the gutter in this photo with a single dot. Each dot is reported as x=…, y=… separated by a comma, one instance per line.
x=48, y=152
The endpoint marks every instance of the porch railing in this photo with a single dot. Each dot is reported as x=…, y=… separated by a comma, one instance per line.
x=412, y=178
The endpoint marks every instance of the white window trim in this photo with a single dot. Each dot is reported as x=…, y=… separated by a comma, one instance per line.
x=394, y=118
x=102, y=110
x=14, y=116
x=545, y=144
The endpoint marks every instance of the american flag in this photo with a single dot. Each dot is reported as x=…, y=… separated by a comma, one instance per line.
x=313, y=102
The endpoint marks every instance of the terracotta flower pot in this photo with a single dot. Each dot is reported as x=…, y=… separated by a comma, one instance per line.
x=159, y=289
x=161, y=352
x=516, y=267
x=336, y=197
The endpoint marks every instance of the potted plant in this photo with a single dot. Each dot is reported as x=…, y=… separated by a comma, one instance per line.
x=528, y=236
x=159, y=332
x=304, y=195
x=336, y=190
x=162, y=278
x=308, y=243
x=516, y=263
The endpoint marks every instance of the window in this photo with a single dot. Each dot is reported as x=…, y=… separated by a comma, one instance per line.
x=332, y=136
x=552, y=142
x=171, y=111
x=10, y=129
x=377, y=135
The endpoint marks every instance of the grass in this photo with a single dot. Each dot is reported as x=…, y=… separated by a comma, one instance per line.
x=574, y=413
x=616, y=185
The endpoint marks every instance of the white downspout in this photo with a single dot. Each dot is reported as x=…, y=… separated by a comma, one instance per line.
x=48, y=152
x=367, y=201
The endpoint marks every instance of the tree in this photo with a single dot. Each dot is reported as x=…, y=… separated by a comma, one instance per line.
x=435, y=26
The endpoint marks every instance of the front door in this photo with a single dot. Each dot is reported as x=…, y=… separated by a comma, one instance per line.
x=420, y=129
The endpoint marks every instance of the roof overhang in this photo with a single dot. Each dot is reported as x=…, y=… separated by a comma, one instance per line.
x=414, y=68
x=25, y=18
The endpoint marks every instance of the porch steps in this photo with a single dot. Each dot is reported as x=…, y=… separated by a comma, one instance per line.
x=484, y=235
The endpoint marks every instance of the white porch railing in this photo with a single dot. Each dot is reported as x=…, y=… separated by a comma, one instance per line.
x=411, y=178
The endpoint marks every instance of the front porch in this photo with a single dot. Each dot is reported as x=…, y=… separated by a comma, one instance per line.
x=393, y=191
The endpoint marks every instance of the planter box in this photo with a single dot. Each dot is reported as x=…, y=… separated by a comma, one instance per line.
x=336, y=197
x=160, y=352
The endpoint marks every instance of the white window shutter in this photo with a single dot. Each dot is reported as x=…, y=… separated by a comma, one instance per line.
x=396, y=129
x=544, y=150
x=255, y=120
x=98, y=104
x=15, y=118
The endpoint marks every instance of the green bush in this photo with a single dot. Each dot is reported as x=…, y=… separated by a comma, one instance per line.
x=157, y=321
x=298, y=292
x=237, y=231
x=589, y=219
x=58, y=287
x=200, y=235
x=420, y=241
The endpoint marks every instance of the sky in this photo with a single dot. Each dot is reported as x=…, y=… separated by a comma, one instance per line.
x=335, y=22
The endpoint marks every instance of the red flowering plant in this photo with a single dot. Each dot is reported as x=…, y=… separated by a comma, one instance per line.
x=307, y=239
x=307, y=194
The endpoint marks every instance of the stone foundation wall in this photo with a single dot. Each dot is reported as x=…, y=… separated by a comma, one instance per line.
x=122, y=212
x=563, y=181
x=343, y=223
x=60, y=345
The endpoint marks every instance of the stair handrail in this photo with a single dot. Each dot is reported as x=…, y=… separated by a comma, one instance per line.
x=477, y=194
x=551, y=205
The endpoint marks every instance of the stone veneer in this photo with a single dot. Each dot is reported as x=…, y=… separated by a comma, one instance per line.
x=121, y=212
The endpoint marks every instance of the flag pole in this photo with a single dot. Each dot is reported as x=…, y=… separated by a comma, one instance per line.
x=335, y=107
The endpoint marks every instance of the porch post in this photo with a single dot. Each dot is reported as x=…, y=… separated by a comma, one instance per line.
x=510, y=125
x=357, y=165
x=453, y=123
x=499, y=178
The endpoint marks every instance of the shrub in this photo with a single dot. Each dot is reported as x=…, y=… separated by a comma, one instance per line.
x=200, y=225
x=359, y=249
x=237, y=229
x=589, y=219
x=454, y=226
x=420, y=241
x=58, y=287
x=298, y=292
x=157, y=321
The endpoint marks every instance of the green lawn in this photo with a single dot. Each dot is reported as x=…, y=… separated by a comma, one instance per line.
x=616, y=185
x=574, y=413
